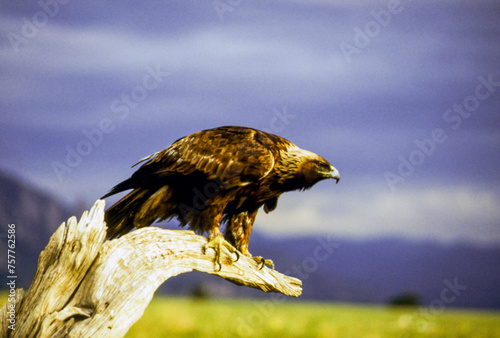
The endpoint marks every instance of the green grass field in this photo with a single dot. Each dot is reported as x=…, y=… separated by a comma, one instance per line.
x=185, y=317
x=188, y=317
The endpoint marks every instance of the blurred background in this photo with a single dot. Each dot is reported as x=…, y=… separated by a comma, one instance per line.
x=401, y=97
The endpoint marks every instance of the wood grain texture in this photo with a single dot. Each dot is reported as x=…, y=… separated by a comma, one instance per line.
x=85, y=286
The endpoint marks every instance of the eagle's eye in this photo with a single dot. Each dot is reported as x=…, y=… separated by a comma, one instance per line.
x=322, y=166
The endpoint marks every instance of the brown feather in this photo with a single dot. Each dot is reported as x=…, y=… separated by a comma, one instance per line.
x=214, y=176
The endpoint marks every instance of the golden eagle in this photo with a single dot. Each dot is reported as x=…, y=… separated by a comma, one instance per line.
x=216, y=176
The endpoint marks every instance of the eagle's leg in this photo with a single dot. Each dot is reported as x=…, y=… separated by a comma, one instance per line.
x=238, y=233
x=216, y=242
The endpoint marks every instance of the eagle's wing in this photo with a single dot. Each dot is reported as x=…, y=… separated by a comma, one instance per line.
x=235, y=156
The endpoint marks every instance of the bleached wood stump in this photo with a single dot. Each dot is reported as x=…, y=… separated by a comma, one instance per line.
x=85, y=286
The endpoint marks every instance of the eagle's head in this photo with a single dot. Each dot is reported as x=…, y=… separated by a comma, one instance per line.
x=304, y=169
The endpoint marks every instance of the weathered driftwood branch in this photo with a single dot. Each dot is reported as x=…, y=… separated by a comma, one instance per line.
x=85, y=286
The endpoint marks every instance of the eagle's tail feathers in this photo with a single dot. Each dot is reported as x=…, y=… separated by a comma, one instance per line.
x=139, y=208
x=125, y=185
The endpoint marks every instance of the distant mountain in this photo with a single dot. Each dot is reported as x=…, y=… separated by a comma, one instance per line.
x=331, y=269
x=372, y=271
x=36, y=216
x=378, y=270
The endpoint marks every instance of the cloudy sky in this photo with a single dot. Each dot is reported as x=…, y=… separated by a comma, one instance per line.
x=402, y=97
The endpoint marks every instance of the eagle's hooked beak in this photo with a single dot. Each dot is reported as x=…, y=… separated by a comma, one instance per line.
x=334, y=173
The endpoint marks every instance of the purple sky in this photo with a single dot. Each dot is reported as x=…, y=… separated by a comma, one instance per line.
x=402, y=97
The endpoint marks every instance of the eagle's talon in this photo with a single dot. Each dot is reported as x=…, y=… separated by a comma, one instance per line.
x=237, y=255
x=216, y=242
x=261, y=262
